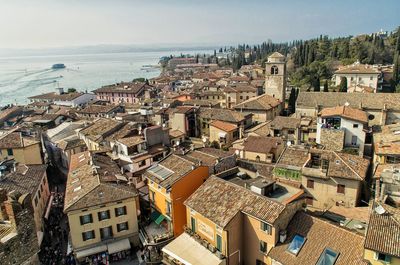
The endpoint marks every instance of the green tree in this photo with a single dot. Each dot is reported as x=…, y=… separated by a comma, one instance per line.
x=71, y=90
x=343, y=85
x=292, y=100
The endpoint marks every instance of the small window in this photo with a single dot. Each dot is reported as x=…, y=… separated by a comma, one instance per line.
x=88, y=235
x=86, y=219
x=382, y=257
x=328, y=257
x=266, y=228
x=263, y=246
x=310, y=183
x=10, y=152
x=341, y=188
x=104, y=215
x=120, y=211
x=122, y=226
x=371, y=78
x=106, y=232
x=193, y=223
x=219, y=242
x=274, y=70
x=355, y=125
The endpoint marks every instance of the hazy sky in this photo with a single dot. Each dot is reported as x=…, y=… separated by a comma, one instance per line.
x=56, y=23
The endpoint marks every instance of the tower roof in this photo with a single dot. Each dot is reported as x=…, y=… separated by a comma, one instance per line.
x=276, y=55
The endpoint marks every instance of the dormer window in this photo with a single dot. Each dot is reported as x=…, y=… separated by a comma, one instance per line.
x=296, y=244
x=328, y=257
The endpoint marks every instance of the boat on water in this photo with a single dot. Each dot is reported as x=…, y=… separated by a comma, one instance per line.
x=58, y=66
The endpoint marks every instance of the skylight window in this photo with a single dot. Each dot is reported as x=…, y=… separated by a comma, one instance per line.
x=296, y=244
x=328, y=257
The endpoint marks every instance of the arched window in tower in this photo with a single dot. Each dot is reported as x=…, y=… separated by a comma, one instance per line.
x=274, y=70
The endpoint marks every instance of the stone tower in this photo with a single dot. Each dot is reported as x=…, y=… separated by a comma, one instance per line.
x=275, y=76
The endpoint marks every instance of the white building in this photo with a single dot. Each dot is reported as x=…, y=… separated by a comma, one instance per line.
x=352, y=122
x=360, y=77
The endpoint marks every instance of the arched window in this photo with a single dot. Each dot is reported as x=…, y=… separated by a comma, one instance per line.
x=258, y=158
x=274, y=70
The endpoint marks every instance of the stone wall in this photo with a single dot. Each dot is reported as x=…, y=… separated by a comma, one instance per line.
x=332, y=139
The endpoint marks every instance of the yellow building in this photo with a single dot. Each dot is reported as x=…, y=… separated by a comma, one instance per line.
x=102, y=214
x=382, y=240
x=386, y=145
x=24, y=150
x=170, y=183
x=223, y=133
x=234, y=225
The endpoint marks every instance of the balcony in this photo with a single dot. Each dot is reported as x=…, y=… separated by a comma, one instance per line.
x=191, y=248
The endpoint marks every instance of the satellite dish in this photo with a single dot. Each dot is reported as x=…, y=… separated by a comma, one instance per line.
x=204, y=139
x=347, y=104
x=177, y=142
x=380, y=210
x=289, y=143
x=237, y=152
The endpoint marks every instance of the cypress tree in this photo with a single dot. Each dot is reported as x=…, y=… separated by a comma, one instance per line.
x=316, y=84
x=343, y=85
x=326, y=86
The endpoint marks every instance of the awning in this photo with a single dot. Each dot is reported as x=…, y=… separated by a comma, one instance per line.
x=90, y=251
x=49, y=204
x=188, y=251
x=159, y=219
x=118, y=246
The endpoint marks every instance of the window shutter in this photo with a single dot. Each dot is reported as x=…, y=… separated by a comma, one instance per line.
x=116, y=211
x=388, y=258
x=124, y=209
x=81, y=219
x=99, y=216
x=91, y=218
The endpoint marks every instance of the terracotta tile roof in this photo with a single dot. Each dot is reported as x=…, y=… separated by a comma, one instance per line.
x=261, y=144
x=100, y=128
x=281, y=122
x=264, y=102
x=96, y=109
x=319, y=235
x=383, y=232
x=222, y=115
x=224, y=126
x=345, y=112
x=237, y=88
x=132, y=141
x=53, y=96
x=175, y=165
x=124, y=87
x=343, y=165
x=368, y=101
x=86, y=187
x=293, y=157
x=26, y=179
x=16, y=140
x=219, y=201
x=358, y=69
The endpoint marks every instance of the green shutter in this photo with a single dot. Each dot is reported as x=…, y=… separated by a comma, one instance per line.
x=219, y=242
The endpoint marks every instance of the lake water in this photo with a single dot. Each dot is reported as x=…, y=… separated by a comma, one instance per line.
x=21, y=77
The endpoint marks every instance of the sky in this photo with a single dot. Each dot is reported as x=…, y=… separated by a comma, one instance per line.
x=56, y=23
